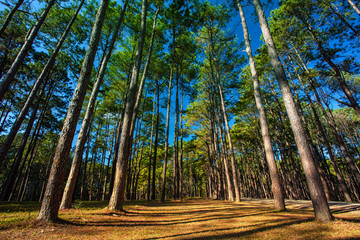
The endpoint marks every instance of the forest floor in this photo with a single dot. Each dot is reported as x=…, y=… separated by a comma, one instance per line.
x=189, y=219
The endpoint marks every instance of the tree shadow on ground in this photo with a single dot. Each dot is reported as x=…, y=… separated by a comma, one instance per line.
x=232, y=235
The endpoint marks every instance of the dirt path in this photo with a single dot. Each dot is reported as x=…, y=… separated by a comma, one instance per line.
x=196, y=219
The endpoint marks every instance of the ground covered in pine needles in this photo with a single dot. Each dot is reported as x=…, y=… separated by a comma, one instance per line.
x=189, y=219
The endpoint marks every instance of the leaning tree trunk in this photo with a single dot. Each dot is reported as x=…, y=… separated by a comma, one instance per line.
x=181, y=147
x=9, y=183
x=117, y=196
x=354, y=6
x=337, y=170
x=318, y=198
x=42, y=80
x=276, y=187
x=338, y=75
x=79, y=150
x=225, y=162
x=232, y=154
x=150, y=151
x=153, y=196
x=175, y=142
x=9, y=16
x=51, y=202
x=163, y=180
x=10, y=76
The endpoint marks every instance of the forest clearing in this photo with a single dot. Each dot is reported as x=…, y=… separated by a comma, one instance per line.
x=188, y=219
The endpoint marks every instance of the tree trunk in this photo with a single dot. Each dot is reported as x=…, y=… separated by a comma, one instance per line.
x=226, y=162
x=163, y=180
x=117, y=197
x=318, y=198
x=153, y=195
x=175, y=142
x=337, y=170
x=83, y=178
x=51, y=203
x=10, y=76
x=338, y=75
x=181, y=147
x=354, y=6
x=9, y=16
x=9, y=183
x=150, y=152
x=231, y=148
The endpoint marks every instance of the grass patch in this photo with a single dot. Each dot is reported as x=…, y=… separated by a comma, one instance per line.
x=189, y=219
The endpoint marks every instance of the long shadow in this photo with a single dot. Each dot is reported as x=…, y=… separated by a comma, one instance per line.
x=353, y=220
x=233, y=235
x=159, y=213
x=346, y=209
x=122, y=223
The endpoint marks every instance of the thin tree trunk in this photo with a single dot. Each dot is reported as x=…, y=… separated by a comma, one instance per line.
x=231, y=148
x=9, y=183
x=181, y=147
x=104, y=195
x=153, y=196
x=318, y=198
x=354, y=6
x=337, y=170
x=9, y=16
x=46, y=174
x=10, y=76
x=226, y=162
x=175, y=142
x=51, y=203
x=163, y=180
x=83, y=178
x=150, y=152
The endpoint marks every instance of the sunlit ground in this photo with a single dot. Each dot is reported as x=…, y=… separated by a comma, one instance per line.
x=190, y=219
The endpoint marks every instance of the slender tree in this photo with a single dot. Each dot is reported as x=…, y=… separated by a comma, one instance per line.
x=10, y=76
